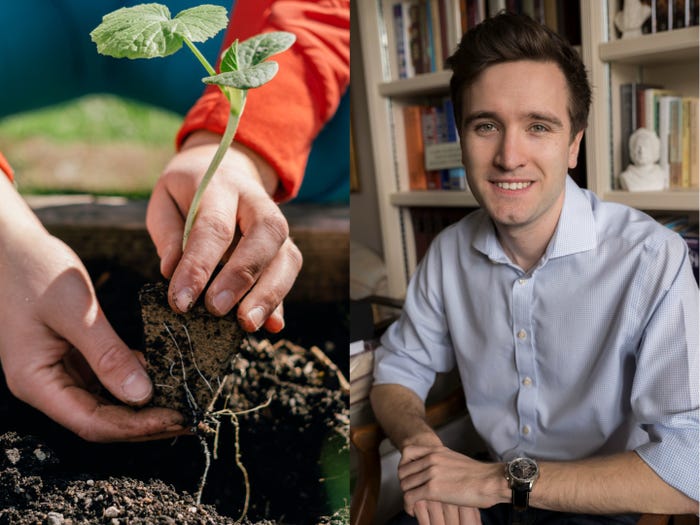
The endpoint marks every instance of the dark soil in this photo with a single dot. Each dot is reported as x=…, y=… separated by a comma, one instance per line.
x=294, y=448
x=188, y=356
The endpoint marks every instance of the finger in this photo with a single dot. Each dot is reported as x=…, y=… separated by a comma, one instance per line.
x=436, y=512
x=116, y=366
x=211, y=236
x=420, y=511
x=414, y=452
x=451, y=514
x=265, y=237
x=275, y=323
x=469, y=516
x=93, y=420
x=165, y=224
x=272, y=286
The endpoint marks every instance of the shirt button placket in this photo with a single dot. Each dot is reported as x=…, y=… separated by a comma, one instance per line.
x=524, y=358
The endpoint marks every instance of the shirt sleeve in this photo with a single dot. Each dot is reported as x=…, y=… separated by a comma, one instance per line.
x=283, y=117
x=665, y=388
x=6, y=168
x=417, y=346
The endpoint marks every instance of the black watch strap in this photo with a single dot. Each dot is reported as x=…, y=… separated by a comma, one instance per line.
x=521, y=498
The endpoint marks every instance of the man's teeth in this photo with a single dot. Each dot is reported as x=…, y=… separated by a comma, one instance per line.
x=513, y=185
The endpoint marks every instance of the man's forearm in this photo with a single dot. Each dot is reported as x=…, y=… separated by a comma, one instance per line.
x=607, y=485
x=401, y=413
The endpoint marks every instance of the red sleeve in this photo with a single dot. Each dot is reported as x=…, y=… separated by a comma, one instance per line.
x=6, y=168
x=283, y=117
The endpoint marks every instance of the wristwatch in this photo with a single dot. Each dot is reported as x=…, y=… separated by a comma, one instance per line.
x=521, y=474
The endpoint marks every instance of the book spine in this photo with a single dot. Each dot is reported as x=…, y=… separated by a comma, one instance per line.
x=414, y=148
x=675, y=148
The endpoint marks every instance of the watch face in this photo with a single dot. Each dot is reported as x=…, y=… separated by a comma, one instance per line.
x=523, y=469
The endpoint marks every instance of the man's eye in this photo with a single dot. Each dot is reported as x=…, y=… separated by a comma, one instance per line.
x=485, y=127
x=538, y=128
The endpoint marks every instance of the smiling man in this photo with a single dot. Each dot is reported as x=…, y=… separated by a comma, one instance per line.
x=573, y=322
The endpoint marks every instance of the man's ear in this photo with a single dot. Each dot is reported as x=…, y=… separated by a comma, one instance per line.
x=574, y=149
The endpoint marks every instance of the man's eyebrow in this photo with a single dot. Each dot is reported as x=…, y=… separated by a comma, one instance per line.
x=534, y=115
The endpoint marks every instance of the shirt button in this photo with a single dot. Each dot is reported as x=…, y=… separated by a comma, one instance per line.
x=522, y=334
x=522, y=281
x=526, y=430
x=527, y=381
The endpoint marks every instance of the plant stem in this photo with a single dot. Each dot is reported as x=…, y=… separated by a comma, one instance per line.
x=199, y=56
x=226, y=139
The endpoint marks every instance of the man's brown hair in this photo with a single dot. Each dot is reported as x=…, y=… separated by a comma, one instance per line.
x=508, y=37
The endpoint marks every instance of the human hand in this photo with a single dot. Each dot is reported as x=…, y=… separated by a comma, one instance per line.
x=55, y=335
x=437, y=513
x=431, y=475
x=237, y=224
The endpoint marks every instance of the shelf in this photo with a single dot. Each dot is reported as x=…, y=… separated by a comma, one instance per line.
x=678, y=45
x=437, y=198
x=678, y=200
x=426, y=84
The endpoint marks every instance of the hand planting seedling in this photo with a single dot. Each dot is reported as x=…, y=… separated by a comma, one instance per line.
x=148, y=31
x=182, y=382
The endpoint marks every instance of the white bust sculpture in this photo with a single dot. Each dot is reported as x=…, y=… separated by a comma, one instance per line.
x=630, y=20
x=644, y=174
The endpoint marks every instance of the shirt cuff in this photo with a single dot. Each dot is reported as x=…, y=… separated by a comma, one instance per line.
x=390, y=368
x=674, y=457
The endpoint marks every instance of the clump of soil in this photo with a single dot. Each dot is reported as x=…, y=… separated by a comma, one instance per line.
x=187, y=355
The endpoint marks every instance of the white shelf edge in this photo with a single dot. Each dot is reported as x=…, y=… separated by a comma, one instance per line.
x=437, y=198
x=427, y=83
x=676, y=200
x=675, y=45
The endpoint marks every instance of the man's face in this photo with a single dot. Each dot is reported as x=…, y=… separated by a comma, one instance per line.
x=516, y=145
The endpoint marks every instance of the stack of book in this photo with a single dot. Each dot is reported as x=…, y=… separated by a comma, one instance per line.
x=674, y=119
x=669, y=14
x=434, y=156
x=424, y=33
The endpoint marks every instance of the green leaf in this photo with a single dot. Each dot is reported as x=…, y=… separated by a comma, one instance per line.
x=147, y=31
x=229, y=61
x=200, y=23
x=257, y=48
x=249, y=78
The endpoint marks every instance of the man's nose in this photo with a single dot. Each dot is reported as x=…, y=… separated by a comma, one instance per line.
x=511, y=153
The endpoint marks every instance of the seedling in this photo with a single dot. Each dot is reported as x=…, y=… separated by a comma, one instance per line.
x=148, y=31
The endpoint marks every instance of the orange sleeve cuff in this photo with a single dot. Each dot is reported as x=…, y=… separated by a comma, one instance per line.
x=6, y=168
x=283, y=117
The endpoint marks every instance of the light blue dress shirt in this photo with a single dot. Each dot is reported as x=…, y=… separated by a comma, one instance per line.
x=594, y=351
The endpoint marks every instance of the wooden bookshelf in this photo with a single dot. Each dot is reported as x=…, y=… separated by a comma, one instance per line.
x=669, y=58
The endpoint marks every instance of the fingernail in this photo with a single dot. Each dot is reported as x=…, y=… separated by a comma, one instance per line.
x=184, y=299
x=222, y=302
x=255, y=316
x=137, y=386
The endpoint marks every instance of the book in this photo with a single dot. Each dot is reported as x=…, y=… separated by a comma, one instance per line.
x=430, y=126
x=401, y=38
x=664, y=135
x=415, y=36
x=651, y=107
x=694, y=124
x=664, y=14
x=631, y=113
x=675, y=147
x=414, y=147
x=685, y=142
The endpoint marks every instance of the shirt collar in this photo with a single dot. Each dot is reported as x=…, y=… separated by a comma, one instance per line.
x=575, y=231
